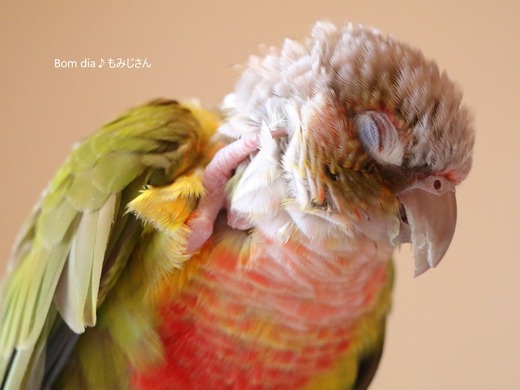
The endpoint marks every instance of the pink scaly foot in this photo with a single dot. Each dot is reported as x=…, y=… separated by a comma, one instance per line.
x=214, y=178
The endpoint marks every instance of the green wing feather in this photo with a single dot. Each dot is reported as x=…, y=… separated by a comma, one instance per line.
x=77, y=242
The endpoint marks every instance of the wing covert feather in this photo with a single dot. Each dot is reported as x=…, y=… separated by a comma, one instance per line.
x=75, y=244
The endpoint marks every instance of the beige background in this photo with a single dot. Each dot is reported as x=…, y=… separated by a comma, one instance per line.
x=457, y=327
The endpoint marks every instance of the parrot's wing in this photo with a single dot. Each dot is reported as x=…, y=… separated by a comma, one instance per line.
x=369, y=362
x=76, y=243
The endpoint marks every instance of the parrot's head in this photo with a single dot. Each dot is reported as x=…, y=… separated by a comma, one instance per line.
x=359, y=135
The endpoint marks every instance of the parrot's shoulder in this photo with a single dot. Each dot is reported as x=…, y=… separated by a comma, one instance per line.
x=80, y=237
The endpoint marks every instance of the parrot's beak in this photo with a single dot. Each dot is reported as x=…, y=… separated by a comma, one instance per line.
x=428, y=221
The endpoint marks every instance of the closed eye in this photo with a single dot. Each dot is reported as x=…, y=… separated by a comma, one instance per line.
x=379, y=137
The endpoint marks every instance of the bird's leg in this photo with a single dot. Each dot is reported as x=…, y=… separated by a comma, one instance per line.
x=214, y=178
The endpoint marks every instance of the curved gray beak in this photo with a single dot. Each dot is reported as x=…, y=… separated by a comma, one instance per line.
x=428, y=219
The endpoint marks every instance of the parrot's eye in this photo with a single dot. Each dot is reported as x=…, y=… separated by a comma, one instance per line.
x=379, y=137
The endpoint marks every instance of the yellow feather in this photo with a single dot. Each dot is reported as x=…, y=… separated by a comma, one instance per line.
x=166, y=208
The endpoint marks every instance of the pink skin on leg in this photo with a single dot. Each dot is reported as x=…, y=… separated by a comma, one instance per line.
x=214, y=178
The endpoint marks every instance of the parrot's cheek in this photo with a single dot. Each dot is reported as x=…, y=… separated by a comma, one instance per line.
x=427, y=221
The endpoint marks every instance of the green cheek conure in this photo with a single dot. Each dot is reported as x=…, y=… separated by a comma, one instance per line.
x=246, y=249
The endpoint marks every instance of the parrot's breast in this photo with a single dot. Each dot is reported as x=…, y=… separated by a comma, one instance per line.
x=260, y=315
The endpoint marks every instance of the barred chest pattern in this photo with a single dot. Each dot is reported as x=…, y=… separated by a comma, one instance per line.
x=257, y=314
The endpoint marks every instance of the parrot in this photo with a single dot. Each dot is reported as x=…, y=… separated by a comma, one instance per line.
x=248, y=246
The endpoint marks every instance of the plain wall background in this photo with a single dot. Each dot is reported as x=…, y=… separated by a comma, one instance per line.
x=456, y=327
